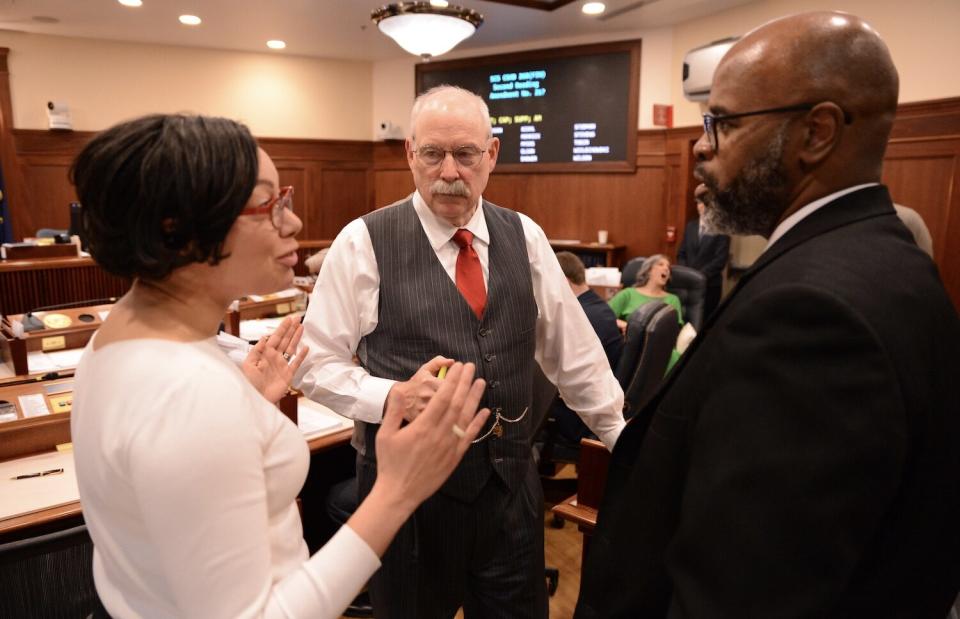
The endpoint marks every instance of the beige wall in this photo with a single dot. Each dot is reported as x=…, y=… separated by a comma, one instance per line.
x=921, y=35
x=280, y=95
x=105, y=82
x=393, y=80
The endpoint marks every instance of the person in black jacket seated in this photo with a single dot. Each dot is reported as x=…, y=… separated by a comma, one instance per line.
x=706, y=252
x=569, y=425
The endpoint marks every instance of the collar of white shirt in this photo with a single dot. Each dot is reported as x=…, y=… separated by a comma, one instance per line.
x=439, y=232
x=805, y=212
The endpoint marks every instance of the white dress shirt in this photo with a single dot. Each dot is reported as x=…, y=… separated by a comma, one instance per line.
x=344, y=308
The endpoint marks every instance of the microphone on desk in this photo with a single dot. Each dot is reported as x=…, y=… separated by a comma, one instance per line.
x=32, y=323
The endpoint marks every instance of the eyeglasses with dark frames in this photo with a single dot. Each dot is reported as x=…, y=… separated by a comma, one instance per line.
x=275, y=207
x=711, y=121
x=464, y=156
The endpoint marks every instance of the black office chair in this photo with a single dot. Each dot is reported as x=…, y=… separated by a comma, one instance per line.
x=48, y=576
x=553, y=448
x=634, y=340
x=690, y=285
x=659, y=337
x=628, y=274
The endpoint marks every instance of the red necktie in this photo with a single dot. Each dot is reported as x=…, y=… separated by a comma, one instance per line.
x=469, y=273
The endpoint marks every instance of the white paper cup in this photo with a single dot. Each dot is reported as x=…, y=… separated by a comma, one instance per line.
x=602, y=237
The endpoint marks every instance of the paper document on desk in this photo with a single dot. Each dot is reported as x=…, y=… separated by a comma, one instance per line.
x=24, y=496
x=317, y=420
x=39, y=363
x=66, y=359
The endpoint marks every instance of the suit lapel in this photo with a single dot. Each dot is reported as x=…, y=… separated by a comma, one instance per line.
x=863, y=204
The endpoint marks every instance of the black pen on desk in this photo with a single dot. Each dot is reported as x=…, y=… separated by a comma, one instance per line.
x=39, y=474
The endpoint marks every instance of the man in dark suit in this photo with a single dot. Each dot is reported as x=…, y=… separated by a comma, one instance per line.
x=708, y=253
x=802, y=459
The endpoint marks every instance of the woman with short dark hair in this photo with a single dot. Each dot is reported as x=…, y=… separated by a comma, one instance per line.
x=188, y=473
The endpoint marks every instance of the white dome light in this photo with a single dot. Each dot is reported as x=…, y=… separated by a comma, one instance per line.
x=190, y=20
x=593, y=8
x=424, y=29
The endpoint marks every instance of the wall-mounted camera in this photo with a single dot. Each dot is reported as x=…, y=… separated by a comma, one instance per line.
x=386, y=130
x=58, y=115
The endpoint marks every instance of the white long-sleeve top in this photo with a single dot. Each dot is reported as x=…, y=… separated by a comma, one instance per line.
x=344, y=307
x=188, y=480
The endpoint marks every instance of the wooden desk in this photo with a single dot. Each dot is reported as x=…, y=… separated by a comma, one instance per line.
x=78, y=326
x=38, y=282
x=28, y=284
x=593, y=254
x=268, y=306
x=582, y=507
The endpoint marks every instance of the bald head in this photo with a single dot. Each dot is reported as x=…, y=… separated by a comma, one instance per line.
x=452, y=101
x=801, y=107
x=816, y=57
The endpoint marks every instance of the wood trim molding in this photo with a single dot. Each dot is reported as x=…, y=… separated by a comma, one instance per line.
x=15, y=187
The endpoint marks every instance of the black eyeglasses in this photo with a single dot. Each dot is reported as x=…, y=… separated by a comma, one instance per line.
x=465, y=156
x=710, y=121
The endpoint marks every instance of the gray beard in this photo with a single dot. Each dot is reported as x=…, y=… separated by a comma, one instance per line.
x=755, y=199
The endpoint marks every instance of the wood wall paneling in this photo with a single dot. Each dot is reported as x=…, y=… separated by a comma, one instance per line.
x=337, y=181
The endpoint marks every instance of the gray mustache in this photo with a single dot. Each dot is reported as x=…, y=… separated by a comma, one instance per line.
x=455, y=188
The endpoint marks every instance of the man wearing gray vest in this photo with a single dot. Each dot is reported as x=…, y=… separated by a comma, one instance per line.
x=445, y=275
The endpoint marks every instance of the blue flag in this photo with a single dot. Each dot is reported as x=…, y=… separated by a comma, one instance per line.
x=6, y=226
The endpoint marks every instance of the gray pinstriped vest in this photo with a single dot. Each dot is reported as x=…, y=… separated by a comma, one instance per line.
x=422, y=314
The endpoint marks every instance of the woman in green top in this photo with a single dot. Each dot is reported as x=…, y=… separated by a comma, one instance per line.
x=651, y=285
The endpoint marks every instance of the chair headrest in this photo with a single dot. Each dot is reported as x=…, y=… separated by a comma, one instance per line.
x=686, y=278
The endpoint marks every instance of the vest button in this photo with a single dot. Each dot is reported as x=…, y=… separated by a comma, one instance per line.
x=483, y=332
x=489, y=357
x=494, y=384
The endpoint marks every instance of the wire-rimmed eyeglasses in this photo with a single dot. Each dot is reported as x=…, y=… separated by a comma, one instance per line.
x=464, y=156
x=710, y=121
x=276, y=207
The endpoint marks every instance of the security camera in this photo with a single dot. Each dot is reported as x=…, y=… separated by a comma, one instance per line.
x=50, y=105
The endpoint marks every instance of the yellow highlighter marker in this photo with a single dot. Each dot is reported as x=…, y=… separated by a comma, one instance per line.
x=442, y=372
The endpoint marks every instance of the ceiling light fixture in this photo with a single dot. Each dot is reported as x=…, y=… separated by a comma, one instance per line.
x=426, y=29
x=190, y=20
x=593, y=8
x=276, y=44
x=131, y=2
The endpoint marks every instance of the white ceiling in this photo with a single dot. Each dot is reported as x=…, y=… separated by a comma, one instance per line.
x=322, y=28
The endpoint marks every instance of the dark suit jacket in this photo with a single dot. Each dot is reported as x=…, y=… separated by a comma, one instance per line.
x=707, y=254
x=803, y=460
x=604, y=322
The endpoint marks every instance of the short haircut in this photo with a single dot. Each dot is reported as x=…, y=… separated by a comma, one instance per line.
x=162, y=191
x=425, y=97
x=643, y=275
x=572, y=267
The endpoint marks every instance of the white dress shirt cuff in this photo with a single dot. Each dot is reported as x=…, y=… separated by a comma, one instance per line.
x=372, y=398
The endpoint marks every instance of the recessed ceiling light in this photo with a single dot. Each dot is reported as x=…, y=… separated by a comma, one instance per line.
x=131, y=2
x=440, y=4
x=190, y=20
x=276, y=44
x=593, y=8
